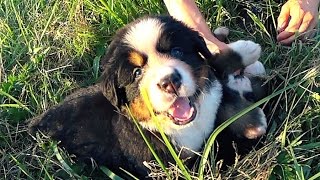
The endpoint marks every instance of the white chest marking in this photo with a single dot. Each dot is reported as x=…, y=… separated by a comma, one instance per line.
x=193, y=136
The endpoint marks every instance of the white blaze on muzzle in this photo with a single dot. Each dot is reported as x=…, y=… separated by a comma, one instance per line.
x=156, y=73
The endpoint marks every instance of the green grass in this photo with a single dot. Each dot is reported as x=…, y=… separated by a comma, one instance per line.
x=50, y=48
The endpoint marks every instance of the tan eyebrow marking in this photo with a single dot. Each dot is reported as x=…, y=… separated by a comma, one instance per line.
x=136, y=58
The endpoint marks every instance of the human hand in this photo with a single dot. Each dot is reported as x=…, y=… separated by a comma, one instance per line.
x=214, y=45
x=297, y=16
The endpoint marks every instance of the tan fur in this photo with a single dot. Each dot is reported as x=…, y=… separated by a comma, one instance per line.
x=139, y=109
x=136, y=59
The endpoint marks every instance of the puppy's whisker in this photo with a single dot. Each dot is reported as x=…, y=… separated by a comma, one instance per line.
x=175, y=91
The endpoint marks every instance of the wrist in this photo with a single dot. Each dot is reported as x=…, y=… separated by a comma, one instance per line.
x=311, y=3
x=214, y=45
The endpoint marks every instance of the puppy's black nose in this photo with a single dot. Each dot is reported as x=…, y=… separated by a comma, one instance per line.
x=170, y=83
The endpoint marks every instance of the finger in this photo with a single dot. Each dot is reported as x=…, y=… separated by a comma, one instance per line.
x=288, y=40
x=293, y=26
x=295, y=22
x=310, y=31
x=283, y=18
x=284, y=35
x=306, y=23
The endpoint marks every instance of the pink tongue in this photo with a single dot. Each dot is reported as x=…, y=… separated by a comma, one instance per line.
x=181, y=110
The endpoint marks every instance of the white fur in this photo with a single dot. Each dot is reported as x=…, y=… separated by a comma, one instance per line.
x=249, y=51
x=156, y=71
x=144, y=35
x=194, y=134
x=263, y=119
x=255, y=69
x=239, y=84
x=222, y=30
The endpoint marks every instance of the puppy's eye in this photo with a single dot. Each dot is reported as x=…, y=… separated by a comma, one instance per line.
x=137, y=72
x=176, y=52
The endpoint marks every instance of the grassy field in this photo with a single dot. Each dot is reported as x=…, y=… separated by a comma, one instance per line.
x=49, y=48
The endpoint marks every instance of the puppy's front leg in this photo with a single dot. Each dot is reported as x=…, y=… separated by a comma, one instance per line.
x=241, y=54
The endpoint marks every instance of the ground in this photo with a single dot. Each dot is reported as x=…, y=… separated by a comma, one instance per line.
x=49, y=48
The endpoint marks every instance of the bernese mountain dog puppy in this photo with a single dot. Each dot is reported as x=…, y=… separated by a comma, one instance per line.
x=190, y=91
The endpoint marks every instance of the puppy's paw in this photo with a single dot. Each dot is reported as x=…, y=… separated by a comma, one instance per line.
x=221, y=33
x=259, y=128
x=255, y=69
x=248, y=50
x=222, y=30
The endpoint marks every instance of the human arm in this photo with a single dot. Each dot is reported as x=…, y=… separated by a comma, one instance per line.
x=299, y=16
x=188, y=12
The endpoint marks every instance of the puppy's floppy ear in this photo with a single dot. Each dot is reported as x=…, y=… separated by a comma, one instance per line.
x=109, y=80
x=111, y=89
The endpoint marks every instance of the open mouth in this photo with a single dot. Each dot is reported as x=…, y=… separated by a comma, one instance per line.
x=182, y=111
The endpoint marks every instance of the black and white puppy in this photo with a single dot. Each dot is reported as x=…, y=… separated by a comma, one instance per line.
x=171, y=63
x=241, y=88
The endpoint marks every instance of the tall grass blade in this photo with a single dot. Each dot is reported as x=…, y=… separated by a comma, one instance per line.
x=20, y=22
x=22, y=167
x=109, y=173
x=315, y=177
x=64, y=164
x=128, y=173
x=119, y=20
x=163, y=167
x=164, y=137
x=310, y=146
x=49, y=20
x=16, y=101
x=296, y=165
x=10, y=105
x=257, y=21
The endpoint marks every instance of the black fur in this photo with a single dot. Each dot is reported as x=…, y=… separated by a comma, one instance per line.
x=89, y=126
